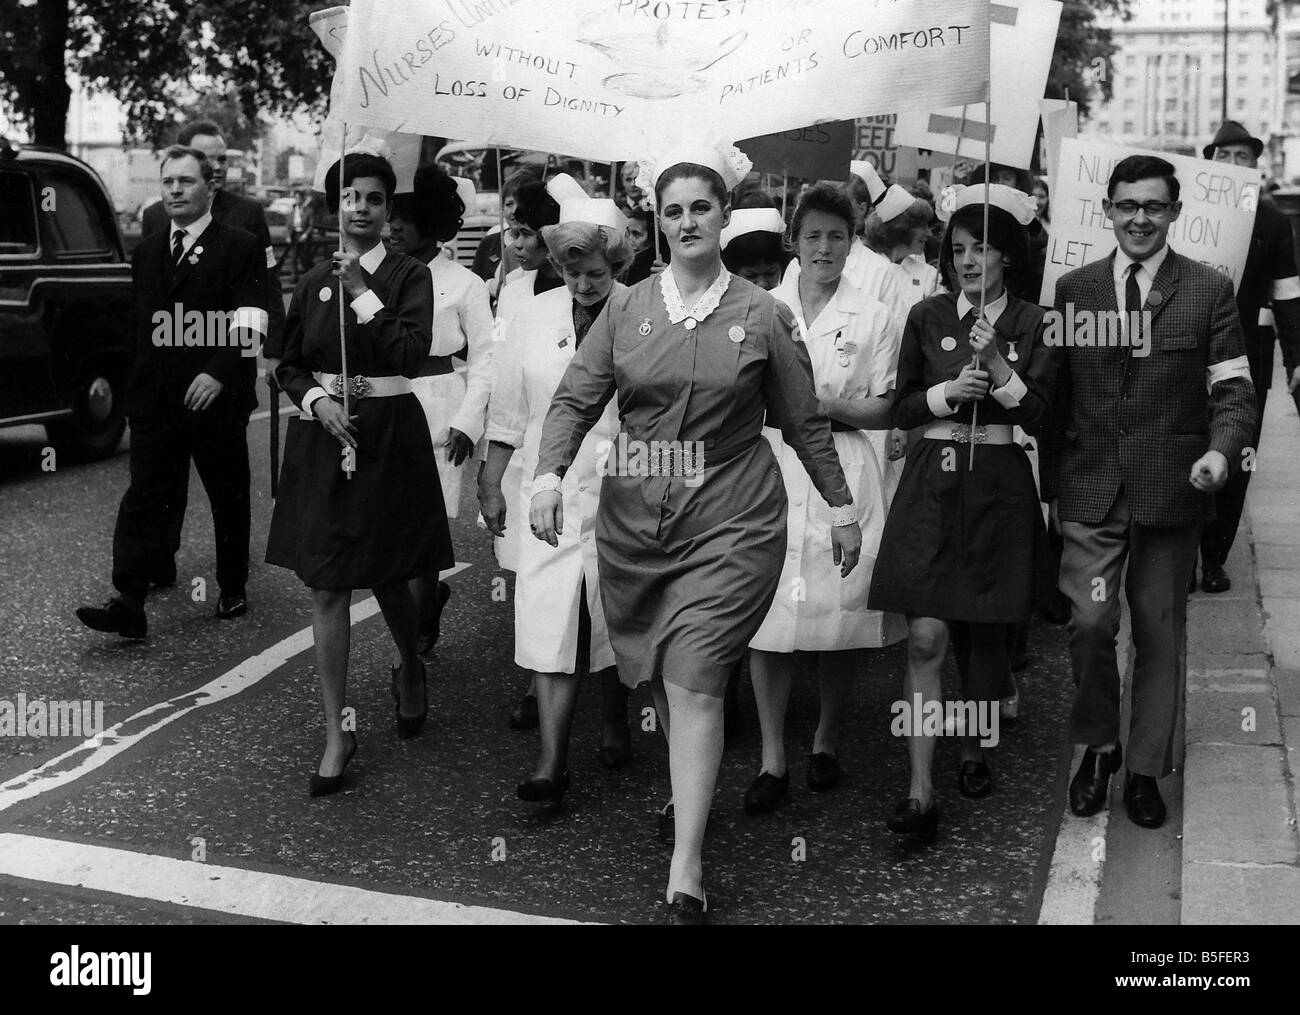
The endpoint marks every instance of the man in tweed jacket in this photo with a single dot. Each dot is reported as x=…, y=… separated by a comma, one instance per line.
x=1142, y=448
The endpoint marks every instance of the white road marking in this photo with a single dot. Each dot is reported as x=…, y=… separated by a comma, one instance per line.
x=98, y=751
x=232, y=890
x=1074, y=880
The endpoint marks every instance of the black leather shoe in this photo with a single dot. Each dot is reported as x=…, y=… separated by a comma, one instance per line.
x=687, y=911
x=409, y=726
x=766, y=792
x=1213, y=578
x=909, y=819
x=525, y=717
x=164, y=577
x=433, y=630
x=324, y=785
x=1091, y=783
x=115, y=617
x=230, y=607
x=618, y=755
x=543, y=790
x=975, y=780
x=823, y=772
x=1191, y=582
x=1142, y=800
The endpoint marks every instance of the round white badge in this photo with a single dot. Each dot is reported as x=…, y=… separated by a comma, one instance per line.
x=948, y=344
x=689, y=323
x=736, y=333
x=325, y=294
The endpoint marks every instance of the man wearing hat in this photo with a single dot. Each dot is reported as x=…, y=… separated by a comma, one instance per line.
x=1268, y=300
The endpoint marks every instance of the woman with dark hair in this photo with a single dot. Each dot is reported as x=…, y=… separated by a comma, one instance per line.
x=691, y=552
x=640, y=230
x=753, y=246
x=962, y=543
x=853, y=345
x=385, y=524
x=488, y=263
x=420, y=224
x=559, y=621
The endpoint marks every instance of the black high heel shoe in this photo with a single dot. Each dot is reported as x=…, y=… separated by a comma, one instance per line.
x=909, y=819
x=975, y=780
x=688, y=911
x=409, y=726
x=544, y=791
x=324, y=785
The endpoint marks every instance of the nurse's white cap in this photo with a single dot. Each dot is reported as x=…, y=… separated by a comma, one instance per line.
x=725, y=159
x=752, y=220
x=866, y=172
x=563, y=187
x=596, y=211
x=1016, y=203
x=467, y=193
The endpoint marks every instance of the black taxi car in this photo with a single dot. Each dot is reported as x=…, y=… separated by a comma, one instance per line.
x=65, y=302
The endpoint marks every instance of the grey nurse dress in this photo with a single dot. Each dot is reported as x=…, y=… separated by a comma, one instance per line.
x=689, y=564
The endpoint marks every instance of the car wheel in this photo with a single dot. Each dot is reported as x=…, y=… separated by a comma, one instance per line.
x=98, y=419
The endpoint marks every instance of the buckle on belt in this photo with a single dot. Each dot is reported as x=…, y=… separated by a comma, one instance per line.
x=961, y=433
x=358, y=386
x=669, y=461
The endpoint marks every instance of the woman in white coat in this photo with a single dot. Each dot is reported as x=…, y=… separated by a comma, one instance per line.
x=853, y=343
x=455, y=406
x=559, y=618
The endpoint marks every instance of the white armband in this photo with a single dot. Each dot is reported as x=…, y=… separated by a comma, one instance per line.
x=253, y=318
x=1238, y=366
x=548, y=481
x=1009, y=395
x=845, y=514
x=366, y=306
x=309, y=399
x=938, y=404
x=270, y=257
x=1286, y=288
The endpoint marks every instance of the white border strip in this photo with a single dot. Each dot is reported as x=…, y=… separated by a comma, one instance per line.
x=250, y=894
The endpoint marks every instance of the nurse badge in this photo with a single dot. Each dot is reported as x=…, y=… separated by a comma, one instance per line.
x=324, y=293
x=644, y=330
x=690, y=323
x=1012, y=355
x=736, y=333
x=948, y=343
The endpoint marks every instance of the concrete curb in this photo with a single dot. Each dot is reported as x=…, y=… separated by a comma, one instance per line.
x=1241, y=846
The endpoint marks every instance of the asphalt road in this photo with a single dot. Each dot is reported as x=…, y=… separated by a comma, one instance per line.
x=436, y=818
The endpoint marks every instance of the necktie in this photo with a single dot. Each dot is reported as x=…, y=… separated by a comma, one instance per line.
x=1132, y=301
x=178, y=246
x=582, y=319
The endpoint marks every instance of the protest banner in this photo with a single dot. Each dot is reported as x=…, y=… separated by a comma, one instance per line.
x=820, y=152
x=1060, y=120
x=1218, y=211
x=610, y=79
x=876, y=144
x=1022, y=38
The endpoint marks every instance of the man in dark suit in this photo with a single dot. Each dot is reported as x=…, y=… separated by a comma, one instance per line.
x=199, y=291
x=1139, y=452
x=1268, y=298
x=243, y=213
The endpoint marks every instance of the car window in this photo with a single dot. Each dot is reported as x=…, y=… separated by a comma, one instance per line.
x=18, y=223
x=75, y=226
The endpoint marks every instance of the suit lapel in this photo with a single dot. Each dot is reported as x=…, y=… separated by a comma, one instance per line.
x=181, y=271
x=1163, y=287
x=1103, y=283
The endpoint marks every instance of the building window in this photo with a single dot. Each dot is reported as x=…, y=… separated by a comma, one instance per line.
x=1129, y=127
x=1241, y=105
x=1130, y=81
x=1216, y=82
x=1242, y=81
x=1129, y=105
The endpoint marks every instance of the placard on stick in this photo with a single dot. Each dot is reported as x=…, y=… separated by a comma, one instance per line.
x=820, y=152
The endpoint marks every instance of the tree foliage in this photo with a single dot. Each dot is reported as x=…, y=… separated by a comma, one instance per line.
x=1084, y=53
x=156, y=55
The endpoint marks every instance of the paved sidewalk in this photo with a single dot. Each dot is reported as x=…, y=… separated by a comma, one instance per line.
x=1241, y=846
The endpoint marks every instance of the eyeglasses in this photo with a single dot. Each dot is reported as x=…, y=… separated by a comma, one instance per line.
x=1154, y=209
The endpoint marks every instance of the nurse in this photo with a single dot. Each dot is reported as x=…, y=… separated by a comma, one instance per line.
x=454, y=406
x=560, y=627
x=753, y=246
x=691, y=528
x=853, y=345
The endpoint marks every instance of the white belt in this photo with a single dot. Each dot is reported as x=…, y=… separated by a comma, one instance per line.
x=992, y=433
x=364, y=387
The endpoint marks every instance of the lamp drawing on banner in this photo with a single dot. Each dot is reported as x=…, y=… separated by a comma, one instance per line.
x=662, y=67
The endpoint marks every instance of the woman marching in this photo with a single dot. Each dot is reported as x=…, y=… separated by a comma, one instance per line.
x=421, y=223
x=385, y=524
x=559, y=619
x=962, y=543
x=853, y=345
x=690, y=553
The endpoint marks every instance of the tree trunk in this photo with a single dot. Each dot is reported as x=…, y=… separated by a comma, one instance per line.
x=50, y=108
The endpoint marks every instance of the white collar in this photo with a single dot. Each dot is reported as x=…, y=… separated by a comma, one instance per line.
x=992, y=310
x=373, y=258
x=195, y=229
x=706, y=304
x=1151, y=264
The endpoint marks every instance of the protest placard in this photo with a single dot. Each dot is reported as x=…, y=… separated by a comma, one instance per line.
x=1022, y=38
x=1218, y=211
x=1060, y=120
x=610, y=79
x=820, y=152
x=877, y=145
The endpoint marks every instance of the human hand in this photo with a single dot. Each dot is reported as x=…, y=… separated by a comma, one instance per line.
x=347, y=266
x=896, y=443
x=970, y=386
x=459, y=447
x=336, y=422
x=846, y=546
x=492, y=506
x=1209, y=472
x=546, y=516
x=202, y=392
x=1295, y=381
